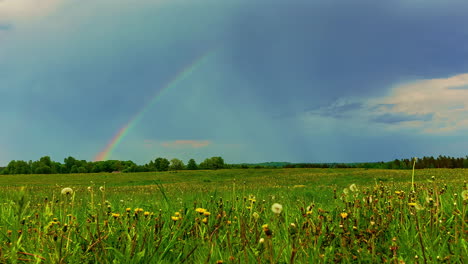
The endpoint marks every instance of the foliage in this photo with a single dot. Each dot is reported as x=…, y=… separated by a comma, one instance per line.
x=176, y=164
x=192, y=165
x=71, y=165
x=213, y=163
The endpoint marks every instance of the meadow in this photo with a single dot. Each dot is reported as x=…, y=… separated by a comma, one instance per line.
x=236, y=216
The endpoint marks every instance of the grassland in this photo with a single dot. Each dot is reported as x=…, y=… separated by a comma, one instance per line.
x=225, y=216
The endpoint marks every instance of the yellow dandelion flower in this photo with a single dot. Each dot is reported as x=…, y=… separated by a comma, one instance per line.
x=206, y=213
x=128, y=209
x=205, y=220
x=299, y=186
x=146, y=213
x=177, y=214
x=344, y=215
x=175, y=218
x=200, y=210
x=116, y=215
x=412, y=204
x=397, y=192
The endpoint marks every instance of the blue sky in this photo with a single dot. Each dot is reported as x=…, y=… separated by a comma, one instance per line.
x=299, y=81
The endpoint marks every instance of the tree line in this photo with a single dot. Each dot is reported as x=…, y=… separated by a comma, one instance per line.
x=71, y=165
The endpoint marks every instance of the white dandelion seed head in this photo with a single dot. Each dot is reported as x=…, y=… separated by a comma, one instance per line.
x=465, y=195
x=67, y=191
x=101, y=188
x=277, y=208
x=262, y=240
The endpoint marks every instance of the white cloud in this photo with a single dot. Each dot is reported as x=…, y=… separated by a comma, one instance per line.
x=429, y=106
x=17, y=10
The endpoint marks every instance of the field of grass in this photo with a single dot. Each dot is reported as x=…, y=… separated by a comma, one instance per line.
x=236, y=216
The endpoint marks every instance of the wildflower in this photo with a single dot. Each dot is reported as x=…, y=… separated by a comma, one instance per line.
x=277, y=208
x=353, y=188
x=299, y=186
x=267, y=230
x=293, y=229
x=256, y=215
x=205, y=220
x=177, y=214
x=128, y=209
x=175, y=218
x=261, y=241
x=344, y=215
x=200, y=210
x=412, y=204
x=116, y=215
x=102, y=189
x=465, y=195
x=90, y=189
x=429, y=200
x=206, y=213
x=397, y=192
x=146, y=213
x=67, y=191
x=346, y=191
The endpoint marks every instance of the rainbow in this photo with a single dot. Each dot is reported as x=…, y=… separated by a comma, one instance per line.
x=122, y=132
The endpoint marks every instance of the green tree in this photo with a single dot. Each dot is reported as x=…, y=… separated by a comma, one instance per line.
x=192, y=165
x=213, y=163
x=69, y=163
x=43, y=169
x=161, y=164
x=176, y=164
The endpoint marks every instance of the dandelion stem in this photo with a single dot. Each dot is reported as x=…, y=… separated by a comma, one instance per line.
x=412, y=177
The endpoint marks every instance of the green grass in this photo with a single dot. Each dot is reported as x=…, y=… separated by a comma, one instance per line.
x=381, y=222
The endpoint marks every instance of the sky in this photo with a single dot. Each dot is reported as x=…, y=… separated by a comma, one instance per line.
x=250, y=81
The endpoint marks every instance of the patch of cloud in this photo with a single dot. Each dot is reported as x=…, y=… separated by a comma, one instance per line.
x=17, y=10
x=186, y=144
x=429, y=106
x=463, y=87
x=339, y=109
x=398, y=118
